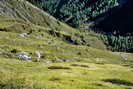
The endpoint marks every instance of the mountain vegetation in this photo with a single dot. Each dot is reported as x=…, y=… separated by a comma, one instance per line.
x=38, y=51
x=111, y=18
x=75, y=12
x=119, y=43
x=117, y=27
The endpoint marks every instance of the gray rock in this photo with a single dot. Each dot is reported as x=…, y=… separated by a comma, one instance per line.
x=23, y=35
x=49, y=62
x=38, y=55
x=1, y=52
x=24, y=56
x=56, y=59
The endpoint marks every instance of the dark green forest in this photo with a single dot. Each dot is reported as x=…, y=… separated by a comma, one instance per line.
x=118, y=43
x=75, y=12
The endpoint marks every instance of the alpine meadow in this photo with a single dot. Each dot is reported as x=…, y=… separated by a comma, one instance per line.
x=66, y=44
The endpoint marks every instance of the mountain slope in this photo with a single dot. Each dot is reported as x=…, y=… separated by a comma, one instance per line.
x=27, y=12
x=30, y=18
x=66, y=56
x=111, y=18
x=62, y=42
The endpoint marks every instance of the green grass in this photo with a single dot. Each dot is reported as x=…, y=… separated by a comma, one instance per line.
x=27, y=18
x=23, y=75
x=84, y=66
x=53, y=47
x=87, y=68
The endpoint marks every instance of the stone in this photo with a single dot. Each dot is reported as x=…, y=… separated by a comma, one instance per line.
x=23, y=35
x=38, y=55
x=56, y=59
x=1, y=52
x=24, y=56
x=49, y=62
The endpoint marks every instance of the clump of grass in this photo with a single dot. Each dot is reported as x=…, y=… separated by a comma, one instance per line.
x=119, y=82
x=80, y=65
x=19, y=83
x=131, y=70
x=59, y=67
x=100, y=63
x=99, y=84
x=55, y=79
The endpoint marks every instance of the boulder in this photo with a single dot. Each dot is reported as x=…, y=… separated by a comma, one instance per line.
x=38, y=55
x=23, y=35
x=24, y=56
x=56, y=59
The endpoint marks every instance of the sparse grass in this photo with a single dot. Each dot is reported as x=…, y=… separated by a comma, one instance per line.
x=80, y=65
x=24, y=75
x=52, y=47
x=40, y=40
x=58, y=67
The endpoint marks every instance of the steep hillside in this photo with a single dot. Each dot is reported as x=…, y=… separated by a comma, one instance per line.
x=111, y=18
x=27, y=12
x=30, y=15
x=39, y=52
x=24, y=16
x=53, y=38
